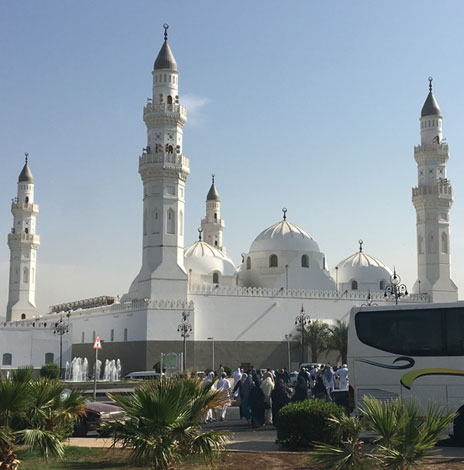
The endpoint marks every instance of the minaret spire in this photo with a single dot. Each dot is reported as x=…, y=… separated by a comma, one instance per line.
x=432, y=199
x=164, y=170
x=23, y=243
x=212, y=224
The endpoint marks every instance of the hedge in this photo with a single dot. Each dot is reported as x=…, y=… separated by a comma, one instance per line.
x=300, y=424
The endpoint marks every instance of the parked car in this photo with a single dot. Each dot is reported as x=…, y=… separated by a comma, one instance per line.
x=143, y=375
x=97, y=413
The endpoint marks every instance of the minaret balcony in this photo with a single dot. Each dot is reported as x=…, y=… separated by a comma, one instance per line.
x=441, y=189
x=431, y=148
x=164, y=108
x=164, y=159
x=26, y=238
x=25, y=207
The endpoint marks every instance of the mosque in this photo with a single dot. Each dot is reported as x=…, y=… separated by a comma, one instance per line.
x=245, y=313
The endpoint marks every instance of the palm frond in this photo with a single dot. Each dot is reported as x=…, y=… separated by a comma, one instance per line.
x=46, y=442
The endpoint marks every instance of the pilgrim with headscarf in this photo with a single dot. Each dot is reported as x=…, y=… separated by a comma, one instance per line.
x=267, y=385
x=280, y=397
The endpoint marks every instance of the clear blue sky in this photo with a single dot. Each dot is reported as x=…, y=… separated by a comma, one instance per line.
x=304, y=104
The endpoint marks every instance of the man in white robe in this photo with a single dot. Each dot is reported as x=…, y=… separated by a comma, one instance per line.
x=224, y=385
x=342, y=374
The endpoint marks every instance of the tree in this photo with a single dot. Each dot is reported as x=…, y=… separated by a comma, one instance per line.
x=405, y=436
x=315, y=335
x=165, y=422
x=36, y=414
x=338, y=340
x=50, y=371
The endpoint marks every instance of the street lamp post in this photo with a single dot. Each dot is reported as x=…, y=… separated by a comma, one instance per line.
x=184, y=328
x=62, y=328
x=395, y=290
x=287, y=337
x=302, y=320
x=212, y=339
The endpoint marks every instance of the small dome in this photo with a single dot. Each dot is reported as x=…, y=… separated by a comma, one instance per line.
x=26, y=175
x=284, y=236
x=430, y=107
x=165, y=59
x=362, y=268
x=203, y=259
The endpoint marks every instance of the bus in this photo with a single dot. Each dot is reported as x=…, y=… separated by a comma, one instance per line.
x=409, y=350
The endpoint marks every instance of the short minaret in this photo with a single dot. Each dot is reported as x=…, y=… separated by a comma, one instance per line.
x=432, y=199
x=23, y=243
x=164, y=170
x=212, y=224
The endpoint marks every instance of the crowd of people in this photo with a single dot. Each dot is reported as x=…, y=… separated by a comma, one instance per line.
x=260, y=394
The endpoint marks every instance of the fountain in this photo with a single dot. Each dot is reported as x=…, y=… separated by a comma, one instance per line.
x=78, y=370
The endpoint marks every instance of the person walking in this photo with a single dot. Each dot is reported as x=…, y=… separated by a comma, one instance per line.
x=223, y=385
x=257, y=404
x=280, y=397
x=246, y=386
x=301, y=390
x=328, y=378
x=342, y=375
x=208, y=416
x=267, y=386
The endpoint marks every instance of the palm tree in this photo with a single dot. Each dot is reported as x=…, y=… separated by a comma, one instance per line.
x=338, y=340
x=37, y=414
x=405, y=436
x=165, y=425
x=315, y=335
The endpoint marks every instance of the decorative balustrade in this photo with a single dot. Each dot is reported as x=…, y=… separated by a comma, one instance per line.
x=442, y=188
x=24, y=237
x=431, y=148
x=294, y=293
x=164, y=159
x=25, y=206
x=151, y=108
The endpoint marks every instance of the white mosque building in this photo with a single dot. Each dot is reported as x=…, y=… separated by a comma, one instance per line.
x=245, y=311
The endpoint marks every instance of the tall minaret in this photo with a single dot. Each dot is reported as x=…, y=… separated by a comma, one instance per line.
x=212, y=224
x=432, y=199
x=164, y=170
x=23, y=244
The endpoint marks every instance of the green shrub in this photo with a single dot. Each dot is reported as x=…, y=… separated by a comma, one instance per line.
x=50, y=371
x=302, y=423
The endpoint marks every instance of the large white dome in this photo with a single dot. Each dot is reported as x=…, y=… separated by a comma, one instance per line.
x=362, y=268
x=284, y=236
x=203, y=259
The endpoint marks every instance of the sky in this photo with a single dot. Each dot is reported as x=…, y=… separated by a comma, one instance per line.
x=313, y=106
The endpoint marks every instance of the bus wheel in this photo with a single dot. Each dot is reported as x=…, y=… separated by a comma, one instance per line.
x=458, y=427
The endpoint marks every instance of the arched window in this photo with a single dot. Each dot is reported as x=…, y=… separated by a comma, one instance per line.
x=248, y=266
x=23, y=316
x=161, y=98
x=215, y=216
x=25, y=275
x=83, y=337
x=169, y=99
x=382, y=285
x=171, y=222
x=26, y=230
x=215, y=243
x=112, y=335
x=93, y=336
x=273, y=261
x=7, y=359
x=155, y=220
x=125, y=334
x=27, y=200
x=444, y=243
x=215, y=278
x=354, y=285
x=49, y=358
x=305, y=261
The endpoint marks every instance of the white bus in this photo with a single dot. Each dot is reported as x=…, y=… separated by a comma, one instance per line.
x=409, y=350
